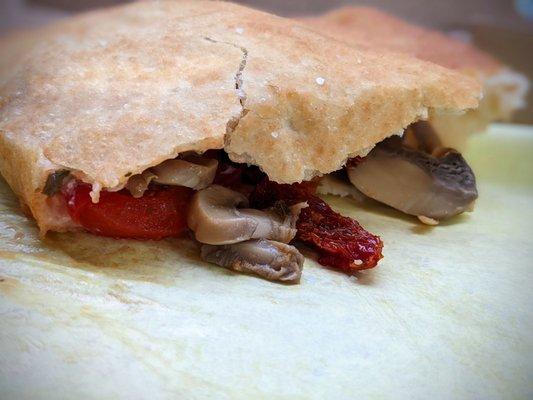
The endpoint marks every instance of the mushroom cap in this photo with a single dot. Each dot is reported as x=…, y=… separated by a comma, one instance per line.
x=217, y=216
x=415, y=182
x=194, y=172
x=138, y=184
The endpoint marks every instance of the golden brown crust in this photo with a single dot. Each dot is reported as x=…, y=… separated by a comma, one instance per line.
x=116, y=91
x=368, y=27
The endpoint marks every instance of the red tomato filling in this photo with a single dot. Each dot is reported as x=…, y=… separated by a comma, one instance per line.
x=159, y=213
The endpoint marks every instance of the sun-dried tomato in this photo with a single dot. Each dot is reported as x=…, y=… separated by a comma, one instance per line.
x=233, y=175
x=228, y=175
x=266, y=193
x=340, y=241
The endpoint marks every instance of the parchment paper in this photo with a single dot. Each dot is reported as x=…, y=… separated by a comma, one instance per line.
x=448, y=314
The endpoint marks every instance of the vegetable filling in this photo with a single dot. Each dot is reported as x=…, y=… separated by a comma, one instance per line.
x=244, y=221
x=248, y=223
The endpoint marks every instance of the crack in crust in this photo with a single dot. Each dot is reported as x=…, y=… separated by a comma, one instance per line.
x=233, y=122
x=242, y=65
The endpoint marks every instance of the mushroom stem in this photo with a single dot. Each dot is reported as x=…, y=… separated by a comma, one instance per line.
x=268, y=259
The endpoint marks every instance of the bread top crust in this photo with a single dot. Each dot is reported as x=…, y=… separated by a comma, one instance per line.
x=370, y=28
x=110, y=93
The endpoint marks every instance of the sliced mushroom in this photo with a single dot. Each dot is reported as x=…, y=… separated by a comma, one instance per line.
x=138, y=184
x=415, y=182
x=268, y=259
x=193, y=171
x=218, y=215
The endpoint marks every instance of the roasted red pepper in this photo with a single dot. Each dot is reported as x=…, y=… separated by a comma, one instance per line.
x=159, y=213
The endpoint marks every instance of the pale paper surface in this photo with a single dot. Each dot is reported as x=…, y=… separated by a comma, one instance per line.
x=447, y=314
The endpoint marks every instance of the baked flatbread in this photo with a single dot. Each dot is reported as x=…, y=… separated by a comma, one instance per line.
x=504, y=90
x=110, y=93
